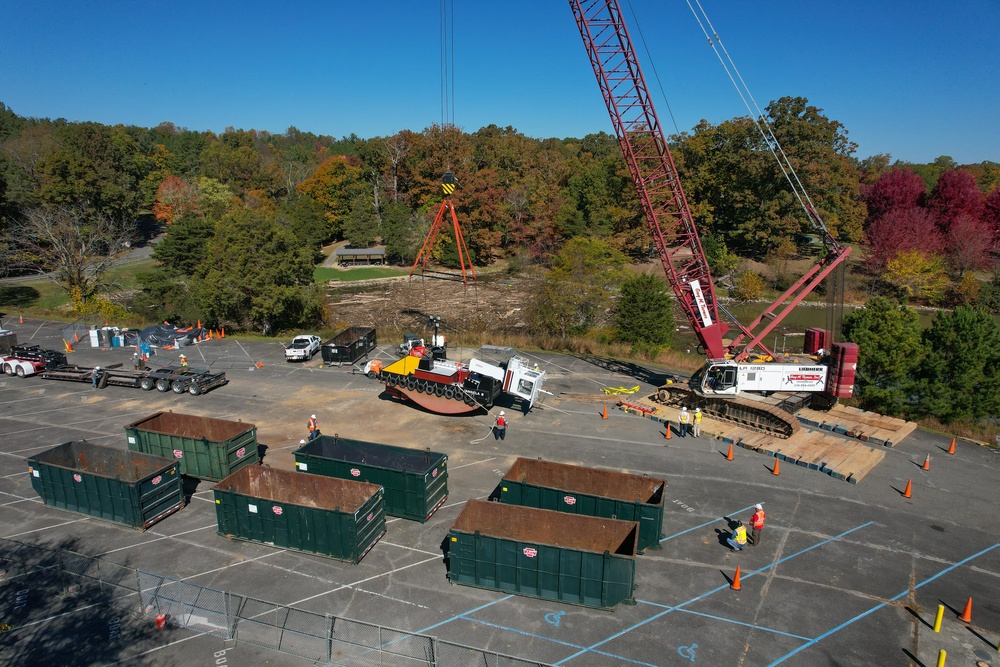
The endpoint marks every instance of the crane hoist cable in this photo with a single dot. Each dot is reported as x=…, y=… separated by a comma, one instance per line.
x=447, y=62
x=763, y=127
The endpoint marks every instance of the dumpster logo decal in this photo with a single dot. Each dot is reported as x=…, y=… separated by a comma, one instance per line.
x=277, y=510
x=157, y=480
x=240, y=452
x=355, y=472
x=434, y=473
x=530, y=553
x=371, y=516
x=77, y=478
x=569, y=500
x=178, y=454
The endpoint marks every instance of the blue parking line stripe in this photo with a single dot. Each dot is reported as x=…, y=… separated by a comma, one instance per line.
x=556, y=641
x=726, y=620
x=706, y=594
x=456, y=616
x=879, y=606
x=707, y=523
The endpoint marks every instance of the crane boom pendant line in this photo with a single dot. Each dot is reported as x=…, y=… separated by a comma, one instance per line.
x=651, y=166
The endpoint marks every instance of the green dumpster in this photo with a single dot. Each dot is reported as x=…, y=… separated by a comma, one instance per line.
x=309, y=513
x=206, y=448
x=580, y=490
x=541, y=553
x=108, y=483
x=415, y=481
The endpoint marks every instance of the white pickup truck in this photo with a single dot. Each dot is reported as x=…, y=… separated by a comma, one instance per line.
x=303, y=348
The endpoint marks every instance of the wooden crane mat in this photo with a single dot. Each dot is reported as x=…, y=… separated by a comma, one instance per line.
x=856, y=423
x=830, y=454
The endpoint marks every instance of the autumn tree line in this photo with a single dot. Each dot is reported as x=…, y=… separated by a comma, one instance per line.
x=247, y=212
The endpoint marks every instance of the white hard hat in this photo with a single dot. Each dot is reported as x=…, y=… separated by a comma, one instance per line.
x=684, y=408
x=313, y=417
x=97, y=368
x=302, y=442
x=697, y=409
x=502, y=413
x=758, y=507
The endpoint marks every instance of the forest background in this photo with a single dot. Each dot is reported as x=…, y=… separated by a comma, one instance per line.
x=241, y=218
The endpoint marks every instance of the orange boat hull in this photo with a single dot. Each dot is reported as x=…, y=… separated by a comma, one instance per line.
x=433, y=403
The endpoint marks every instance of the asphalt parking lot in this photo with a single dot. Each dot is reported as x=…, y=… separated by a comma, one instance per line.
x=845, y=575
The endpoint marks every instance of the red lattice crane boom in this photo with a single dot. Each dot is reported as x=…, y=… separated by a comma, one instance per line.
x=666, y=210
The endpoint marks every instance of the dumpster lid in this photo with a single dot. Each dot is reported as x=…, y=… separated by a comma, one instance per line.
x=589, y=481
x=297, y=488
x=191, y=426
x=103, y=461
x=372, y=454
x=528, y=524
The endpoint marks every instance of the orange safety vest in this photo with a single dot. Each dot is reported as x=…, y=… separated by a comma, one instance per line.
x=758, y=519
x=312, y=425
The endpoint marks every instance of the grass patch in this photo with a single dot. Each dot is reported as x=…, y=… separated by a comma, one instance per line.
x=322, y=274
x=33, y=295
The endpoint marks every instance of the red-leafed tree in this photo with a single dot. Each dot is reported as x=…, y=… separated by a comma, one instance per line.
x=899, y=189
x=969, y=242
x=955, y=194
x=991, y=215
x=900, y=230
x=174, y=197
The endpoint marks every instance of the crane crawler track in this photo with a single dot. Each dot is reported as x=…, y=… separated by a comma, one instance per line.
x=747, y=414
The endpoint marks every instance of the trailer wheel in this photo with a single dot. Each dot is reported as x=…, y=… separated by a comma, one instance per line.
x=449, y=392
x=411, y=382
x=194, y=389
x=163, y=385
x=371, y=375
x=439, y=389
x=19, y=371
x=147, y=383
x=178, y=387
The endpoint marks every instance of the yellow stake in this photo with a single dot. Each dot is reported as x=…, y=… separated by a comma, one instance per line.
x=942, y=654
x=937, y=619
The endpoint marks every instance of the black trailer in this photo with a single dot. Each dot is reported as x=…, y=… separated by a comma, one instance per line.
x=50, y=358
x=178, y=379
x=348, y=346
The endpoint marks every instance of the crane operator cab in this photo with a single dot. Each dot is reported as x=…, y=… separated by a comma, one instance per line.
x=716, y=378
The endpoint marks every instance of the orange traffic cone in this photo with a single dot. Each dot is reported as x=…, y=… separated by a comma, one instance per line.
x=199, y=324
x=222, y=333
x=927, y=463
x=909, y=488
x=736, y=580
x=776, y=470
x=729, y=454
x=605, y=414
x=951, y=448
x=668, y=431
x=966, y=616
x=20, y=319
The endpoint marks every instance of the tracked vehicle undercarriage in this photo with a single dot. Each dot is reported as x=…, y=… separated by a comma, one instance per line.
x=748, y=414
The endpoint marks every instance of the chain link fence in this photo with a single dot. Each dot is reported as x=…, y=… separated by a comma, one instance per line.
x=323, y=638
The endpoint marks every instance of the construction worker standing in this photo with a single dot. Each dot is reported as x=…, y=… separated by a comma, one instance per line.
x=756, y=524
x=500, y=426
x=696, y=425
x=684, y=420
x=313, y=425
x=184, y=361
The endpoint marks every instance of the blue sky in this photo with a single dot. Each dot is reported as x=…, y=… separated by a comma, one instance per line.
x=916, y=80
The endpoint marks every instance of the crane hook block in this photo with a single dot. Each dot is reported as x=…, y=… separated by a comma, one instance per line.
x=448, y=183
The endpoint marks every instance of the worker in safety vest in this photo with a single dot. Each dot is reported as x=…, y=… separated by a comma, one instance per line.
x=696, y=424
x=684, y=420
x=313, y=427
x=500, y=426
x=184, y=361
x=756, y=524
x=739, y=538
